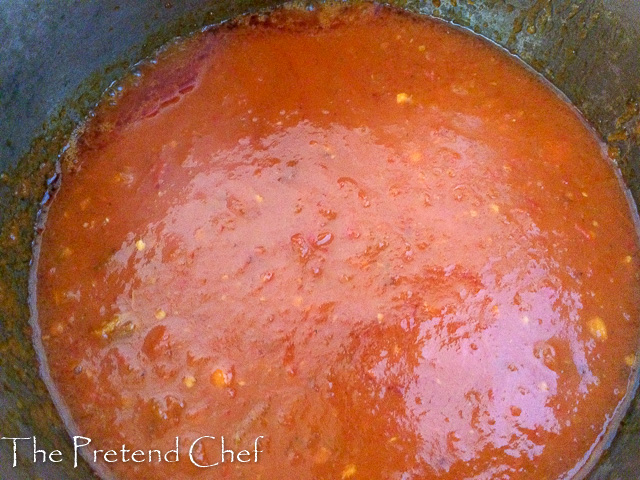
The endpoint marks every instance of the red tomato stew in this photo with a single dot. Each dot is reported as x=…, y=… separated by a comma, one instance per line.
x=372, y=239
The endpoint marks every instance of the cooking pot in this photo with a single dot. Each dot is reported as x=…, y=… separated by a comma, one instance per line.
x=56, y=59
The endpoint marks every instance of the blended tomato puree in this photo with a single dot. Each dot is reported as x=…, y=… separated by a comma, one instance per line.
x=374, y=239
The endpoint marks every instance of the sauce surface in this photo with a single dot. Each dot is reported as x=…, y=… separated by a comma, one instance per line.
x=373, y=239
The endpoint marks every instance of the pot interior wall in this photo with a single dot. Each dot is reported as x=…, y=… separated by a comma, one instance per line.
x=56, y=59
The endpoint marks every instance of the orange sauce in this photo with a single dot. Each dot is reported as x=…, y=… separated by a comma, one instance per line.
x=374, y=239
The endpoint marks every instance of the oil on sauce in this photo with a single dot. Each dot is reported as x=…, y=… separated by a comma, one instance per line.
x=372, y=238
